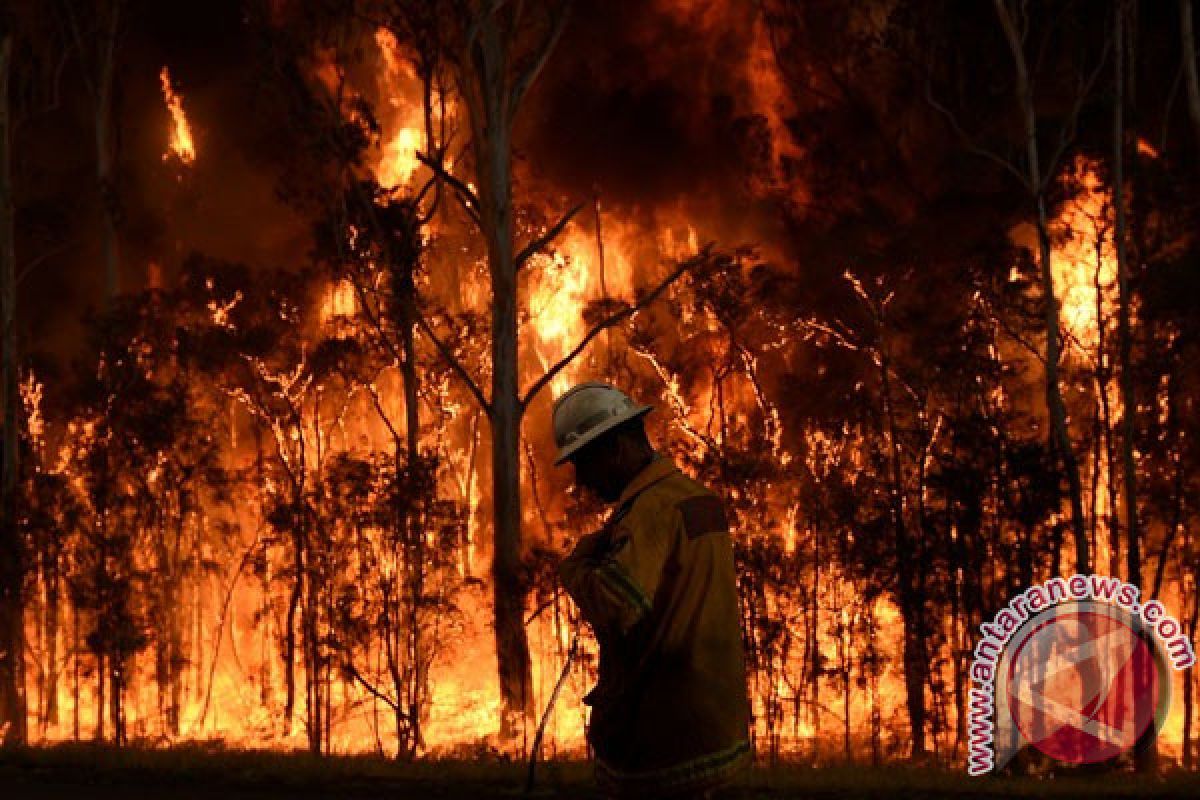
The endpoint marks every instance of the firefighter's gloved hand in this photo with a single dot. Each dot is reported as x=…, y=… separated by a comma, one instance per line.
x=591, y=546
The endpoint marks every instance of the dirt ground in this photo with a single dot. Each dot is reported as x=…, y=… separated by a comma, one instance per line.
x=81, y=773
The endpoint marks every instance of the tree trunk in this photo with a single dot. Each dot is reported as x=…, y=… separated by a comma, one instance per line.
x=289, y=639
x=176, y=656
x=1145, y=756
x=101, y=685
x=105, y=140
x=116, y=696
x=512, y=647
x=1125, y=332
x=488, y=100
x=410, y=684
x=1060, y=436
x=76, y=673
x=1124, y=329
x=12, y=628
x=167, y=643
x=1189, y=685
x=50, y=637
x=1188, y=42
x=911, y=595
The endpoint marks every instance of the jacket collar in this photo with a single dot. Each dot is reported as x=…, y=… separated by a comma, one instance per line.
x=659, y=467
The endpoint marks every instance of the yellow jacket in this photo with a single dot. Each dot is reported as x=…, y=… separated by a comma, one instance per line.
x=670, y=712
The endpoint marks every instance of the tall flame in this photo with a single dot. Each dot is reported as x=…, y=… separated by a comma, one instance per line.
x=399, y=161
x=181, y=144
x=1084, y=261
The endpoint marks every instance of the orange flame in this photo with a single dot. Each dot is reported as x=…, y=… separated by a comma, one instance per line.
x=399, y=160
x=181, y=144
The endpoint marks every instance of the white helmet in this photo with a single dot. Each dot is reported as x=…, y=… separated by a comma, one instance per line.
x=584, y=412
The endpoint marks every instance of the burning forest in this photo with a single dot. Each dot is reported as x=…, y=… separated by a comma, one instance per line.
x=289, y=291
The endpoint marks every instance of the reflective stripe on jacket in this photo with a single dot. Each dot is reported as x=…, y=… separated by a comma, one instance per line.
x=657, y=584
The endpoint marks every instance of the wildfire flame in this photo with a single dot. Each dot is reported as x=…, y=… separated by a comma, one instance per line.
x=180, y=144
x=1084, y=262
x=399, y=161
x=235, y=620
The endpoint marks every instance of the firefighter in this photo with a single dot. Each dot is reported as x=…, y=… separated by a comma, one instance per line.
x=656, y=583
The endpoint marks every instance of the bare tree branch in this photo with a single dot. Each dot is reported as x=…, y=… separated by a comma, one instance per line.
x=377, y=402
x=468, y=198
x=1066, y=134
x=526, y=79
x=40, y=259
x=968, y=141
x=375, y=321
x=546, y=238
x=477, y=22
x=455, y=364
x=354, y=673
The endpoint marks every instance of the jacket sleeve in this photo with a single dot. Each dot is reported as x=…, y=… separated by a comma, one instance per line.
x=613, y=577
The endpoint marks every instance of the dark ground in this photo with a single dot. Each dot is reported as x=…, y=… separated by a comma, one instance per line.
x=194, y=773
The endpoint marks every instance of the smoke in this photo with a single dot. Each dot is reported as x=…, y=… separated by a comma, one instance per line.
x=659, y=104
x=665, y=110
x=226, y=203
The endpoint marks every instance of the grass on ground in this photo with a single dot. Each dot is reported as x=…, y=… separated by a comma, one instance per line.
x=197, y=772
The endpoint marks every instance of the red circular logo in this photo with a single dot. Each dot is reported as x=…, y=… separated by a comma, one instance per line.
x=1084, y=684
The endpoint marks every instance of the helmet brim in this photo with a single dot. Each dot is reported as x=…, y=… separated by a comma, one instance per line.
x=598, y=431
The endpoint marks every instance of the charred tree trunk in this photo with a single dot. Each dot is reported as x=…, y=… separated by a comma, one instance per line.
x=313, y=672
x=12, y=629
x=406, y=315
x=492, y=80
